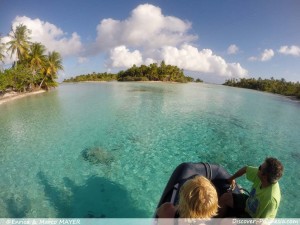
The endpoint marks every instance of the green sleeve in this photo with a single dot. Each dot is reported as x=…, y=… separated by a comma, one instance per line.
x=270, y=211
x=251, y=173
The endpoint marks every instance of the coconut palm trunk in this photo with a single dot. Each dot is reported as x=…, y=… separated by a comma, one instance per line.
x=42, y=82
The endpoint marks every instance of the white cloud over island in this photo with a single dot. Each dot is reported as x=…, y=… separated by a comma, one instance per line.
x=146, y=36
x=205, y=61
x=122, y=57
x=186, y=57
x=152, y=37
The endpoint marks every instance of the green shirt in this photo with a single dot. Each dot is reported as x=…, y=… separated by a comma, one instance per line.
x=262, y=202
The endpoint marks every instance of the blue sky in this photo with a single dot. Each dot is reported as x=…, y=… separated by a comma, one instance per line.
x=213, y=40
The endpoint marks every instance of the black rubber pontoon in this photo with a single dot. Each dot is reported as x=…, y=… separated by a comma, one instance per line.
x=185, y=171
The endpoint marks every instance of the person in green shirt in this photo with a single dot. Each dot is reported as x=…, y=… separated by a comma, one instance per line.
x=264, y=198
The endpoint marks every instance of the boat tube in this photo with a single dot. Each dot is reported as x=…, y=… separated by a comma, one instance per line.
x=185, y=171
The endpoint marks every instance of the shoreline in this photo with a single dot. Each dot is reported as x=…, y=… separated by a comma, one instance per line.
x=18, y=96
x=293, y=98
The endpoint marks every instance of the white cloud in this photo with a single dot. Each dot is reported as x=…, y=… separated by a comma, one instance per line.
x=186, y=57
x=149, y=61
x=121, y=57
x=82, y=60
x=51, y=36
x=155, y=37
x=252, y=58
x=292, y=50
x=8, y=59
x=190, y=58
x=146, y=36
x=146, y=28
x=232, y=49
x=265, y=56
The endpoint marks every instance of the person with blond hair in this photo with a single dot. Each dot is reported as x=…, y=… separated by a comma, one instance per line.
x=198, y=198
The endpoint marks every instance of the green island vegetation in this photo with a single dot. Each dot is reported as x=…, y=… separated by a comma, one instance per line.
x=198, y=80
x=93, y=77
x=33, y=68
x=153, y=72
x=272, y=85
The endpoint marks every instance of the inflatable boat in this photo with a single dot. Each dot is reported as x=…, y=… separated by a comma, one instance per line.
x=185, y=171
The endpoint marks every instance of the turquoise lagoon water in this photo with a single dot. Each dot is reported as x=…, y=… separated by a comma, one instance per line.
x=144, y=130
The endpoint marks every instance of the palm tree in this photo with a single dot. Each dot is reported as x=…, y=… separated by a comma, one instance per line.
x=52, y=66
x=19, y=42
x=36, y=59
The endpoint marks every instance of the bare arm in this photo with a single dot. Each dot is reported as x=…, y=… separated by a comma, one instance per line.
x=238, y=174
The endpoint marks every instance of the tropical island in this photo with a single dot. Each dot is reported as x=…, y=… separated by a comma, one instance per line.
x=281, y=87
x=153, y=72
x=33, y=70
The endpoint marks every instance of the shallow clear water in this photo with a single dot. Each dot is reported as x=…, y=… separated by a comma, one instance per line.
x=143, y=131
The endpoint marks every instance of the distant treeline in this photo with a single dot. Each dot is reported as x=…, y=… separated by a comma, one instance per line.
x=93, y=77
x=153, y=72
x=281, y=86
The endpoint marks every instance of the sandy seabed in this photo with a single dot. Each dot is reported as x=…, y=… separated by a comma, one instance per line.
x=13, y=96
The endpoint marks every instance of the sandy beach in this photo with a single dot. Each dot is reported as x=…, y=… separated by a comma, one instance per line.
x=13, y=96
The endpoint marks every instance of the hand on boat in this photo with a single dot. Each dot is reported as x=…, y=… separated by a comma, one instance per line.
x=232, y=184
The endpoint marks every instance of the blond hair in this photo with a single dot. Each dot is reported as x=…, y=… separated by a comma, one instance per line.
x=198, y=198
